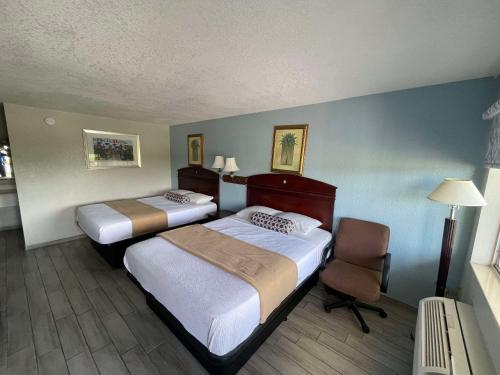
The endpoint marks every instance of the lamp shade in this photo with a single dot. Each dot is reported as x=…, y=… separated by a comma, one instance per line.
x=458, y=193
x=231, y=165
x=218, y=162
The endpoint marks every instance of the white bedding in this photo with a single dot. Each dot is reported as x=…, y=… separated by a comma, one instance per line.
x=106, y=225
x=217, y=308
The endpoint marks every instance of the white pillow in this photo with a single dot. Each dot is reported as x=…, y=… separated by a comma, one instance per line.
x=303, y=224
x=198, y=198
x=246, y=212
x=181, y=191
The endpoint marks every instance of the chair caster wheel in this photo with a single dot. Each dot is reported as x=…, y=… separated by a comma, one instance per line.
x=365, y=329
x=327, y=309
x=383, y=314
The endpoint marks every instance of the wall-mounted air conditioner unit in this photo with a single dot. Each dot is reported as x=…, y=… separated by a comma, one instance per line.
x=448, y=340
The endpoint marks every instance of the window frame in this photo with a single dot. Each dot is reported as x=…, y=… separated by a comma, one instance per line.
x=496, y=255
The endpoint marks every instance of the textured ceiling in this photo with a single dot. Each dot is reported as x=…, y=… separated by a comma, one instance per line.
x=180, y=61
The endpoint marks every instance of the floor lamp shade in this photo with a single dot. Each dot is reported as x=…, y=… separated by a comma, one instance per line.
x=455, y=193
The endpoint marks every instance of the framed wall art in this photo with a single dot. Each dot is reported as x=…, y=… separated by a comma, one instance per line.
x=111, y=150
x=195, y=150
x=289, y=146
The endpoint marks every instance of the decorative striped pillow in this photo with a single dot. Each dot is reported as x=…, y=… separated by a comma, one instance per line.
x=271, y=222
x=180, y=198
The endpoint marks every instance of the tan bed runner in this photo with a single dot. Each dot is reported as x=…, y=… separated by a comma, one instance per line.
x=144, y=218
x=272, y=274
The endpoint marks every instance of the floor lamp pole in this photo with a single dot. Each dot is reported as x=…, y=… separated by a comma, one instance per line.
x=446, y=250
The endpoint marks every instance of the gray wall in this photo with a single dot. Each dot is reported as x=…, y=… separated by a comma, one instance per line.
x=385, y=153
x=51, y=173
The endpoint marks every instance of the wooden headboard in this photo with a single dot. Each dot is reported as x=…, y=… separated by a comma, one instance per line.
x=292, y=193
x=199, y=180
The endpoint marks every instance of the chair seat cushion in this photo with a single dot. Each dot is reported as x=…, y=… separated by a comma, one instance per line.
x=358, y=282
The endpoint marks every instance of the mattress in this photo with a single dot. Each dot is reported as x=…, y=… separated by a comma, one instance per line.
x=106, y=225
x=219, y=309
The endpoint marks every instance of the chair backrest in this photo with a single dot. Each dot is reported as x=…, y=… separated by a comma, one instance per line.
x=362, y=243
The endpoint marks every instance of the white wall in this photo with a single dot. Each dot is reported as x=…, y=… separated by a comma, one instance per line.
x=51, y=174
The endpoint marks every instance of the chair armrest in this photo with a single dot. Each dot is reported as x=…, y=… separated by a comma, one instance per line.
x=385, y=273
x=327, y=254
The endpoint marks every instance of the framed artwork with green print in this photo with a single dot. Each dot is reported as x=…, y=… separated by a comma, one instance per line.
x=289, y=147
x=195, y=150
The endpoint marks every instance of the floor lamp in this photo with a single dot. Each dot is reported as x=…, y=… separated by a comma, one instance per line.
x=455, y=193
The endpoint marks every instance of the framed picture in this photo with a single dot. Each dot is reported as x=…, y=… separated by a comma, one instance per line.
x=111, y=150
x=195, y=150
x=289, y=147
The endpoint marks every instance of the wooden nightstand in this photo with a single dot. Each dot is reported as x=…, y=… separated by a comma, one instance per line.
x=219, y=215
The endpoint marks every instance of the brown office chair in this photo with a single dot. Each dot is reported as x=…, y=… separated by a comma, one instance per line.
x=360, y=267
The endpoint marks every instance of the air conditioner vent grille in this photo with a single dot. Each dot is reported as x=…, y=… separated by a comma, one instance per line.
x=435, y=346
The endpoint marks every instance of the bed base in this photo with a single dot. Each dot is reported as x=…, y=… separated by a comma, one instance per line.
x=230, y=363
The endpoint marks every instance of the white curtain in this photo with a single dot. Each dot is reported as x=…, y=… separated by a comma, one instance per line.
x=492, y=158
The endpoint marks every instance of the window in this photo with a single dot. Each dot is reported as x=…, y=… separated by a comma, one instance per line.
x=486, y=247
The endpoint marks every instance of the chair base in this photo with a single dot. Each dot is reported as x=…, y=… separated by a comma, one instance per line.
x=354, y=306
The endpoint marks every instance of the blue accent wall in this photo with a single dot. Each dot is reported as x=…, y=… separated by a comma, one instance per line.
x=385, y=153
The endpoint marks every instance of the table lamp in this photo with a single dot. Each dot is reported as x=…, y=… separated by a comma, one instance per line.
x=456, y=193
x=218, y=163
x=231, y=166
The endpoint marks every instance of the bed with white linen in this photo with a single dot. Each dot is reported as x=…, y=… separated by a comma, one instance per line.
x=220, y=310
x=217, y=315
x=105, y=225
x=111, y=232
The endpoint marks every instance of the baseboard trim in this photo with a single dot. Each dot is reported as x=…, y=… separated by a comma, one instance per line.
x=55, y=242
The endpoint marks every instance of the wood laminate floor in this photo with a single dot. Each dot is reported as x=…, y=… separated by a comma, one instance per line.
x=63, y=310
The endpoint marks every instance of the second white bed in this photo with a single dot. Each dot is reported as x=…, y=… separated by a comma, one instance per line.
x=220, y=310
x=106, y=225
